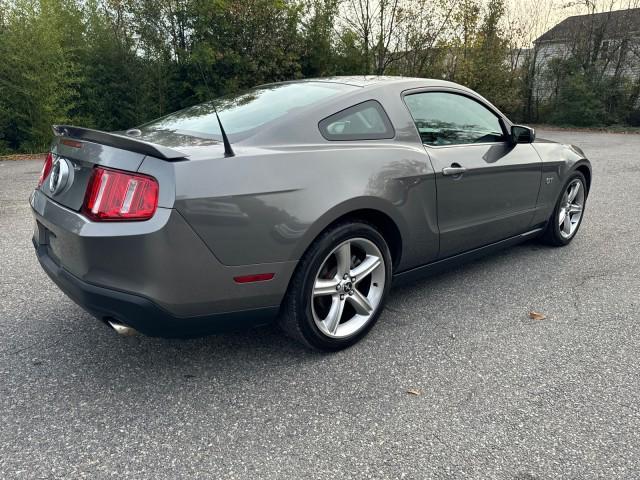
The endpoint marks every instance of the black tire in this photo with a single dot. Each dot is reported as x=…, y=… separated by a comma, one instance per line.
x=552, y=235
x=296, y=317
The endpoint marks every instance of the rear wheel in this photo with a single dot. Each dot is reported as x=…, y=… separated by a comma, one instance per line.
x=567, y=216
x=339, y=287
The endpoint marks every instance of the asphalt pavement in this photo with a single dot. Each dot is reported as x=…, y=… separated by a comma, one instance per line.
x=499, y=395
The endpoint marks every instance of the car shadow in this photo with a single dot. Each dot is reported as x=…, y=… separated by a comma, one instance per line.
x=94, y=352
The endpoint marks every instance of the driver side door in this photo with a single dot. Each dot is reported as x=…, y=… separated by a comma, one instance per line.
x=487, y=187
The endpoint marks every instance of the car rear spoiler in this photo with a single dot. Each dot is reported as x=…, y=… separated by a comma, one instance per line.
x=118, y=141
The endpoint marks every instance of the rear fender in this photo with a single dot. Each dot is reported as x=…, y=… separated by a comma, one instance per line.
x=346, y=209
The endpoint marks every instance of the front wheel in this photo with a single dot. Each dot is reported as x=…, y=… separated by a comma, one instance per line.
x=567, y=215
x=339, y=287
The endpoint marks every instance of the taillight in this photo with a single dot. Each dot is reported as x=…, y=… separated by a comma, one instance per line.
x=46, y=168
x=116, y=195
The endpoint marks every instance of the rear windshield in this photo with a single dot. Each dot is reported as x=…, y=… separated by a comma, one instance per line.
x=241, y=114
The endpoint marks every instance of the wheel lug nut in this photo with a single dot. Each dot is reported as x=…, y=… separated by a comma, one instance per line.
x=345, y=276
x=350, y=292
x=338, y=288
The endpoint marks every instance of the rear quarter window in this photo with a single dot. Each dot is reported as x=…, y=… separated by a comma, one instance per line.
x=242, y=114
x=364, y=121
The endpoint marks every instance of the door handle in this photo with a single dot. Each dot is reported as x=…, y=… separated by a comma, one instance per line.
x=453, y=170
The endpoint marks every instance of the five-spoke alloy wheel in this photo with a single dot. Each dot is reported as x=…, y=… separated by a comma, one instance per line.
x=567, y=215
x=570, y=212
x=348, y=288
x=339, y=287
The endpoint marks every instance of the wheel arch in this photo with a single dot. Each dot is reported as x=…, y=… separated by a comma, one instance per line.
x=584, y=168
x=375, y=211
x=383, y=223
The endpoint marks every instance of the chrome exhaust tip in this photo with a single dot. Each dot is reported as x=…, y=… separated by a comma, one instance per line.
x=122, y=329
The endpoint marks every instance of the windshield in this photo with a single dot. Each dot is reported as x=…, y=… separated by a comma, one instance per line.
x=241, y=114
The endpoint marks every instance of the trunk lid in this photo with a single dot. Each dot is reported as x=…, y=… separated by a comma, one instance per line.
x=77, y=150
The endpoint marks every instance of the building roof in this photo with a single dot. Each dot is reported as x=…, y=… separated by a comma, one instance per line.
x=615, y=23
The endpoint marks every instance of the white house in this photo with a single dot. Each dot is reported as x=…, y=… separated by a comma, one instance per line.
x=607, y=42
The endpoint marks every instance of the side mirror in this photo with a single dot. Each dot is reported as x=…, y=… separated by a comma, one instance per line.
x=522, y=134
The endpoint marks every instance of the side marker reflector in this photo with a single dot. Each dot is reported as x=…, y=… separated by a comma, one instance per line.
x=256, y=277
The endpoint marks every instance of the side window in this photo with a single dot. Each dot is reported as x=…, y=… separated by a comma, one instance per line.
x=365, y=121
x=452, y=119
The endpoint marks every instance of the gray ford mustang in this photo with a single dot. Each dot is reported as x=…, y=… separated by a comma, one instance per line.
x=298, y=201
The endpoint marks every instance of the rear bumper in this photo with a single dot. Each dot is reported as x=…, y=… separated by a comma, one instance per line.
x=143, y=314
x=156, y=276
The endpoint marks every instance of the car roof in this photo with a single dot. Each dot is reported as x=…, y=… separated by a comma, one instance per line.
x=294, y=127
x=365, y=81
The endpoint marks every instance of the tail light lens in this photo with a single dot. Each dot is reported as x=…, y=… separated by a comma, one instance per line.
x=115, y=195
x=46, y=169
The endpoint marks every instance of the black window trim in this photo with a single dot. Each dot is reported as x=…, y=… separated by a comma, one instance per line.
x=505, y=124
x=388, y=135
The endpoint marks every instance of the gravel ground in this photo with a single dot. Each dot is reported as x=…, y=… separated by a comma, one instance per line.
x=502, y=396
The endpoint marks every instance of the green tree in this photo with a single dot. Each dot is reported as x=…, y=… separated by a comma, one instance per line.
x=318, y=55
x=40, y=72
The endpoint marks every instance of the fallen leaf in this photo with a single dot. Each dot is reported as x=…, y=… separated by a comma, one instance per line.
x=536, y=315
x=414, y=391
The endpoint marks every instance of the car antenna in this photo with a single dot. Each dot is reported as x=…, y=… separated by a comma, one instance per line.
x=228, y=151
